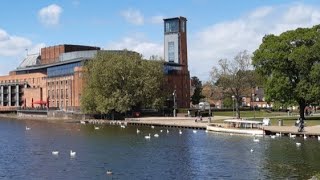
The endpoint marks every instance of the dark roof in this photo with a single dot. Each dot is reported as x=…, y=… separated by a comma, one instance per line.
x=180, y=17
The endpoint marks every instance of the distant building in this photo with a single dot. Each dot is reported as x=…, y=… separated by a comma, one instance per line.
x=55, y=77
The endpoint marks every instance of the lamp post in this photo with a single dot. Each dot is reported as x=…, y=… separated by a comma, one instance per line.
x=254, y=108
x=209, y=112
x=174, y=103
x=233, y=105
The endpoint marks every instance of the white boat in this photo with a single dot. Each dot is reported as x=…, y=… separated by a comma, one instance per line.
x=238, y=126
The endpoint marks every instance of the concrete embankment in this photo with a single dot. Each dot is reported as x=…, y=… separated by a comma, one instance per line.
x=286, y=130
x=177, y=122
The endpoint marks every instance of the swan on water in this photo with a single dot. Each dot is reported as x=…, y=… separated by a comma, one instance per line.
x=55, y=152
x=194, y=131
x=256, y=140
x=27, y=128
x=180, y=132
x=72, y=153
x=147, y=137
x=156, y=135
x=138, y=131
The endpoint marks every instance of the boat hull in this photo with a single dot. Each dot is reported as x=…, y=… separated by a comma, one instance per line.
x=235, y=130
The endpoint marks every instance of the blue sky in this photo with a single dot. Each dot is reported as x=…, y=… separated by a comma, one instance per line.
x=216, y=29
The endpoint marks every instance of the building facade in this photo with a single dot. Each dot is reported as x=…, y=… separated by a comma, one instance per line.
x=55, y=77
x=176, y=58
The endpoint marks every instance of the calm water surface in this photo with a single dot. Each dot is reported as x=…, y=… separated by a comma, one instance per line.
x=27, y=154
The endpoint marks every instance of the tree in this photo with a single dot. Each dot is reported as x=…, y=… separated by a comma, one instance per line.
x=120, y=81
x=290, y=63
x=197, y=93
x=234, y=77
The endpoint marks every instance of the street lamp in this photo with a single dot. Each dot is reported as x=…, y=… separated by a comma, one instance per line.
x=174, y=103
x=253, y=106
x=233, y=105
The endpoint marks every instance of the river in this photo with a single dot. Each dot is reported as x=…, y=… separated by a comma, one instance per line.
x=27, y=154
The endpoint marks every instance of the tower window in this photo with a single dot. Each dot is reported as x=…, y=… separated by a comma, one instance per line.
x=171, y=51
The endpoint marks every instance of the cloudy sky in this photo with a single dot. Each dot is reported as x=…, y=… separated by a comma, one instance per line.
x=216, y=29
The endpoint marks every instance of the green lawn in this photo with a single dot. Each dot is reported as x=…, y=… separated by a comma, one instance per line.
x=274, y=117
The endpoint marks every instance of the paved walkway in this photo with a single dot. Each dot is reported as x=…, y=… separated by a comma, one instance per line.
x=309, y=130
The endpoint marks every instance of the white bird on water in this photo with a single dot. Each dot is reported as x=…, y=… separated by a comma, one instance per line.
x=55, y=152
x=251, y=150
x=256, y=140
x=298, y=144
x=167, y=131
x=194, y=131
x=109, y=172
x=27, y=128
x=73, y=153
x=161, y=130
x=138, y=131
x=96, y=128
x=147, y=137
x=152, y=127
x=180, y=132
x=156, y=135
x=304, y=136
x=122, y=126
x=292, y=135
x=318, y=138
x=273, y=136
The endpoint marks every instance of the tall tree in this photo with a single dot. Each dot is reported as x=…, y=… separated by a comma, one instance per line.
x=119, y=81
x=197, y=93
x=234, y=77
x=291, y=64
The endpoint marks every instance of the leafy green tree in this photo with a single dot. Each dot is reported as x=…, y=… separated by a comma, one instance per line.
x=234, y=77
x=197, y=94
x=290, y=63
x=120, y=81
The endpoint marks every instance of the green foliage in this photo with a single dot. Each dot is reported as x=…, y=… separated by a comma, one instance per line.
x=119, y=81
x=290, y=64
x=227, y=102
x=197, y=94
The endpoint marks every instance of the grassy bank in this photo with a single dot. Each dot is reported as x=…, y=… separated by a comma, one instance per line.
x=274, y=117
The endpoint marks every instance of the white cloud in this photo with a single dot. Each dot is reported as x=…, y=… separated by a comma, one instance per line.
x=11, y=45
x=13, y=50
x=157, y=19
x=133, y=16
x=50, y=15
x=138, y=44
x=226, y=39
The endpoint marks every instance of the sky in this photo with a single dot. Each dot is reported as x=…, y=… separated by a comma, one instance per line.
x=216, y=29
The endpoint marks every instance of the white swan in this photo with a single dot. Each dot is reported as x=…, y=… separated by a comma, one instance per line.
x=122, y=126
x=73, y=153
x=55, y=152
x=147, y=137
x=180, y=132
x=161, y=130
x=96, y=128
x=194, y=131
x=251, y=150
x=156, y=135
x=167, y=131
x=109, y=172
x=304, y=136
x=138, y=131
x=298, y=144
x=152, y=127
x=27, y=128
x=273, y=136
x=256, y=140
x=318, y=138
x=292, y=135
x=279, y=134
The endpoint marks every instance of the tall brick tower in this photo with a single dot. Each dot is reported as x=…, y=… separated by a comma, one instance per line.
x=176, y=57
